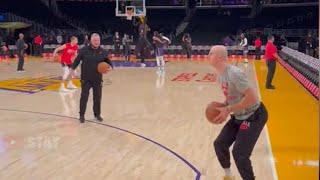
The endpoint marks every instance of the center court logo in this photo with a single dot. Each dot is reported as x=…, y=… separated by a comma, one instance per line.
x=187, y=77
x=33, y=85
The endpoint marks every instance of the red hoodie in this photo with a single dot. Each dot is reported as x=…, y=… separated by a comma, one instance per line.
x=257, y=43
x=38, y=40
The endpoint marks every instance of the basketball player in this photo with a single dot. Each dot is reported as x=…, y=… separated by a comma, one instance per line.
x=142, y=49
x=248, y=116
x=69, y=52
x=244, y=46
x=90, y=57
x=159, y=43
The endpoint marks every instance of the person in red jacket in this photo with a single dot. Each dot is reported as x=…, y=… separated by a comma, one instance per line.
x=4, y=51
x=38, y=45
x=258, y=44
x=69, y=52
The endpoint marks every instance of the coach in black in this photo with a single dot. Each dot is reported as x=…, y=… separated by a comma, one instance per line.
x=90, y=57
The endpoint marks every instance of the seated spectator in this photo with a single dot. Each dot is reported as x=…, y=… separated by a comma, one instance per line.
x=310, y=45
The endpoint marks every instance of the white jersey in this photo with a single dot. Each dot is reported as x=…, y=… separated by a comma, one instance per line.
x=244, y=42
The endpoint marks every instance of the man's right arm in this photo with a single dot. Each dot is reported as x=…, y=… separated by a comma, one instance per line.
x=77, y=60
x=58, y=49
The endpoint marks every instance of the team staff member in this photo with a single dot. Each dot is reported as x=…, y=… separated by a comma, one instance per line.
x=186, y=45
x=90, y=57
x=21, y=47
x=271, y=56
x=257, y=45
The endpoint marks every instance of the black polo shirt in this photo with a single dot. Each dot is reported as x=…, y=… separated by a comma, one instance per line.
x=90, y=58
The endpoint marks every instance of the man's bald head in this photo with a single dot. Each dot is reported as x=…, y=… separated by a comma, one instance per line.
x=21, y=36
x=219, y=52
x=218, y=57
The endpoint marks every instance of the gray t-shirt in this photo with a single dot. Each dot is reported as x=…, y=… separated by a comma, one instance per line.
x=20, y=44
x=234, y=82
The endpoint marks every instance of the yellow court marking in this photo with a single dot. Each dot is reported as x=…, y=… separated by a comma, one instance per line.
x=293, y=125
x=33, y=85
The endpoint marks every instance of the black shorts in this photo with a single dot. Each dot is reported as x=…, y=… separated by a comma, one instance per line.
x=63, y=65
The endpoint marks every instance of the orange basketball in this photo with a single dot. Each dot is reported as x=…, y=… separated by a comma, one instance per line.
x=103, y=67
x=56, y=58
x=212, y=112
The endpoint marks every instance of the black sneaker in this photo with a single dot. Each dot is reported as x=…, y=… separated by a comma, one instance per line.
x=99, y=118
x=271, y=87
x=81, y=119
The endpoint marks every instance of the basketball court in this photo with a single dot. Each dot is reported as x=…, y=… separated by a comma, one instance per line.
x=154, y=126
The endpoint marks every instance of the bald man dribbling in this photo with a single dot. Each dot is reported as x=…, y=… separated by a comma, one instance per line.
x=248, y=116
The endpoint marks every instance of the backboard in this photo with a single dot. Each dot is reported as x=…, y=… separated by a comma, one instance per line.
x=125, y=8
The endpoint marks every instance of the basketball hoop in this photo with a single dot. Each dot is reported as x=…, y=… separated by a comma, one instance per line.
x=130, y=8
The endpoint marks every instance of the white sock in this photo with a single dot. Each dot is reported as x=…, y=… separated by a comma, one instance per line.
x=162, y=61
x=158, y=61
x=75, y=72
x=227, y=172
x=65, y=73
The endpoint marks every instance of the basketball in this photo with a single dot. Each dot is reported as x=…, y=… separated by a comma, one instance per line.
x=56, y=58
x=212, y=112
x=103, y=67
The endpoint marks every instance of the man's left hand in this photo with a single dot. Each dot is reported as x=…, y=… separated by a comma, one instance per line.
x=222, y=115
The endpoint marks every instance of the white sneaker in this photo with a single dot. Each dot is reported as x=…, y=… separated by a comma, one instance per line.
x=158, y=71
x=63, y=89
x=71, y=85
x=143, y=65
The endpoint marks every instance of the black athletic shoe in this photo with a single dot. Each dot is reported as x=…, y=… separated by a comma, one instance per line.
x=81, y=119
x=271, y=87
x=99, y=118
